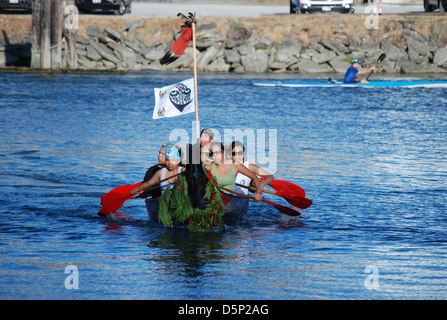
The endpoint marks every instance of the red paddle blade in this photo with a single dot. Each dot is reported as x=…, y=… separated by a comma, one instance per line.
x=299, y=202
x=179, y=46
x=286, y=210
x=287, y=188
x=114, y=199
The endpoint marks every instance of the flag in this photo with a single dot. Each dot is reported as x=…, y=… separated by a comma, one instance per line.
x=179, y=47
x=174, y=100
x=182, y=42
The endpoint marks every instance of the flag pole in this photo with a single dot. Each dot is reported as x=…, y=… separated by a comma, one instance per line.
x=195, y=79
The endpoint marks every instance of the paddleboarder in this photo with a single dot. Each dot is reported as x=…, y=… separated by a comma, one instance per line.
x=353, y=71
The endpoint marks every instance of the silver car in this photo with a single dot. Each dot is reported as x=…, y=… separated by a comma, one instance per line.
x=305, y=6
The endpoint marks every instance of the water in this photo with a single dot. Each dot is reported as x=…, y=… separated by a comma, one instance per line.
x=373, y=160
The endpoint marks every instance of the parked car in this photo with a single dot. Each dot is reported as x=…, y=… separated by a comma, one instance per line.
x=16, y=5
x=305, y=6
x=118, y=6
x=430, y=5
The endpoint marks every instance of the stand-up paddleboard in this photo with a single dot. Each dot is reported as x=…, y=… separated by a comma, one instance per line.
x=373, y=83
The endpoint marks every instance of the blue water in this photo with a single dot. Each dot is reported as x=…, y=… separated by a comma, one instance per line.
x=372, y=160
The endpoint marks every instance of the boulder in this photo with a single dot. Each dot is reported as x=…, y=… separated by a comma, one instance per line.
x=256, y=62
x=340, y=63
x=324, y=57
x=237, y=35
x=440, y=57
x=113, y=34
x=104, y=51
x=392, y=51
x=207, y=56
x=313, y=67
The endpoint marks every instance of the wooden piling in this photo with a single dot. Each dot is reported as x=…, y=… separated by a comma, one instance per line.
x=50, y=35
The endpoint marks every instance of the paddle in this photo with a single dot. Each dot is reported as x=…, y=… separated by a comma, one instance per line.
x=280, y=208
x=285, y=187
x=296, y=201
x=114, y=199
x=381, y=58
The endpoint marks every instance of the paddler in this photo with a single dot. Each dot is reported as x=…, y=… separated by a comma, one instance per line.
x=353, y=71
x=238, y=156
x=172, y=169
x=225, y=173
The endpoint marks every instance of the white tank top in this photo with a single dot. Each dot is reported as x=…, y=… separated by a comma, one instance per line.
x=243, y=180
x=166, y=184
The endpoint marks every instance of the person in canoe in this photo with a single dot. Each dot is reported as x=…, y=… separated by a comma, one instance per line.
x=225, y=173
x=206, y=138
x=238, y=156
x=172, y=169
x=353, y=71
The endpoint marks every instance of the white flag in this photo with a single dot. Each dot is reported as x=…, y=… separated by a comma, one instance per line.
x=174, y=100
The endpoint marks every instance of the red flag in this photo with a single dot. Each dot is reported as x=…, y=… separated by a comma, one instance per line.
x=179, y=46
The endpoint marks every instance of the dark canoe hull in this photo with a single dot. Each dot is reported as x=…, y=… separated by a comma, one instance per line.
x=235, y=208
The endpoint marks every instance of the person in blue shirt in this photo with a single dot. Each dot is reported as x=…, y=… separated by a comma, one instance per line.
x=353, y=71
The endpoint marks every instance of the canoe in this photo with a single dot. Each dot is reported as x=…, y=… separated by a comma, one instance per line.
x=376, y=83
x=235, y=208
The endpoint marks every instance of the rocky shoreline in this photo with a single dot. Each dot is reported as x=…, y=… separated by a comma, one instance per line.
x=242, y=48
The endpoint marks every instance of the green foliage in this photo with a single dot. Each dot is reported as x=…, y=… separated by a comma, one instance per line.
x=174, y=207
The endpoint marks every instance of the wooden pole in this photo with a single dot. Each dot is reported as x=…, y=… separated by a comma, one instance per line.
x=56, y=35
x=70, y=14
x=45, y=34
x=35, y=45
x=195, y=81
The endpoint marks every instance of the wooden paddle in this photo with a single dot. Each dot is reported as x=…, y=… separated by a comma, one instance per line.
x=381, y=58
x=114, y=199
x=294, y=200
x=280, y=208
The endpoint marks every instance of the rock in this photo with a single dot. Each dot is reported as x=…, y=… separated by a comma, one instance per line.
x=126, y=56
x=256, y=62
x=440, y=57
x=94, y=32
x=287, y=54
x=207, y=56
x=112, y=33
x=392, y=52
x=81, y=39
x=232, y=56
x=422, y=68
x=263, y=43
x=153, y=54
x=340, y=63
x=324, y=57
x=86, y=64
x=218, y=65
x=104, y=52
x=237, y=35
x=133, y=24
x=92, y=54
x=313, y=67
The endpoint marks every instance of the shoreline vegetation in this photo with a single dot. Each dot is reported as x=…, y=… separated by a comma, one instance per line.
x=296, y=44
